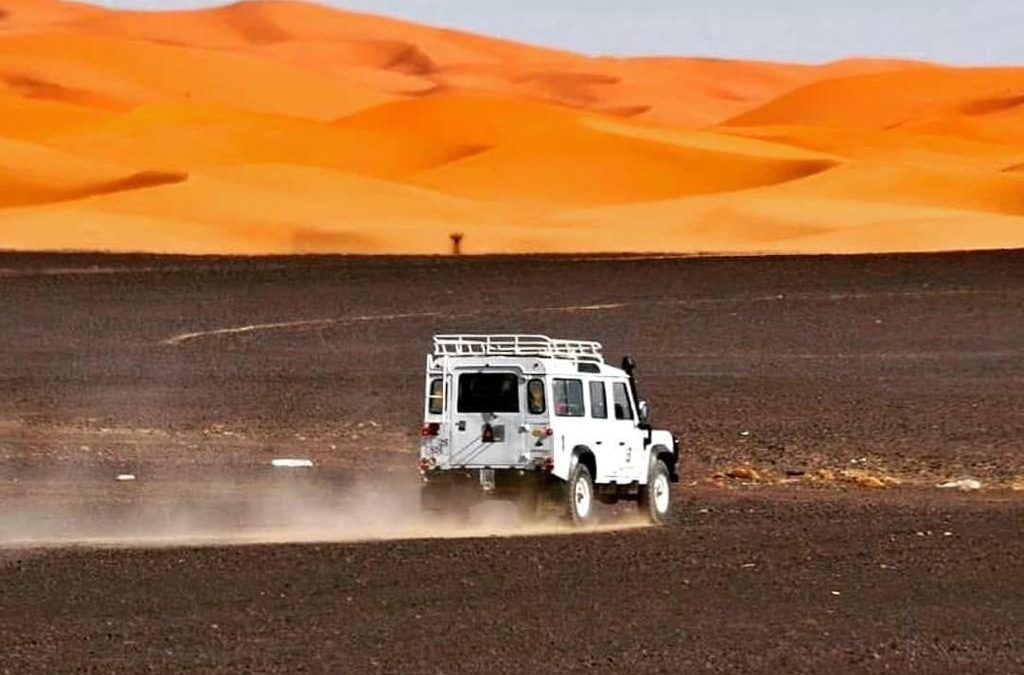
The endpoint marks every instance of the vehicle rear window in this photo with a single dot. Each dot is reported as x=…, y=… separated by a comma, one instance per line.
x=568, y=397
x=488, y=392
x=598, y=401
x=436, y=397
x=620, y=396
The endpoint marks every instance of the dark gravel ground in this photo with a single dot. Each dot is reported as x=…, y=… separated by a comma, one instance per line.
x=910, y=365
x=769, y=583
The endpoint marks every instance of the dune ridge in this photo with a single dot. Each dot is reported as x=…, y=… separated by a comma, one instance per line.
x=275, y=126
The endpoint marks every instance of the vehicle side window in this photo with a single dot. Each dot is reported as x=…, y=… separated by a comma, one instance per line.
x=598, y=401
x=568, y=397
x=435, y=400
x=620, y=396
x=535, y=402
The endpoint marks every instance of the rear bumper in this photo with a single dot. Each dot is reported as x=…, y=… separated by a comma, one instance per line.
x=505, y=480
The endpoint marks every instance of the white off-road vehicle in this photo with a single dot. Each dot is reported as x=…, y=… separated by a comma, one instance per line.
x=534, y=419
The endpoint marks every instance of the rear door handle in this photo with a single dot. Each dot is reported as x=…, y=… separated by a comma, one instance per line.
x=622, y=442
x=598, y=442
x=462, y=425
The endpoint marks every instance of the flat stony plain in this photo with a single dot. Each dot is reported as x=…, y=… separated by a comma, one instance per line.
x=191, y=374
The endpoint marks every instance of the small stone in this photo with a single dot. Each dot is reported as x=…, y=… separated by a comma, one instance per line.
x=743, y=473
x=825, y=475
x=964, y=485
x=870, y=482
x=291, y=463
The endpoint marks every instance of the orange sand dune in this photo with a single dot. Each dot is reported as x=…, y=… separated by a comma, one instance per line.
x=278, y=126
x=255, y=209
x=892, y=100
x=36, y=119
x=584, y=163
x=184, y=137
x=295, y=33
x=31, y=174
x=124, y=73
x=26, y=15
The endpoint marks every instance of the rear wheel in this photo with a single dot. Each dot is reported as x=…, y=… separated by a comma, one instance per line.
x=656, y=496
x=580, y=494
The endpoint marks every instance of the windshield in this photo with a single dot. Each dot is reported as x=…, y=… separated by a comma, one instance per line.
x=488, y=392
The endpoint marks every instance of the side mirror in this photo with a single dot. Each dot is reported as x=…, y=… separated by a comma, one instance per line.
x=645, y=412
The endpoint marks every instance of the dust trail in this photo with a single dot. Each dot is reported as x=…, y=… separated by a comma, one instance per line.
x=220, y=515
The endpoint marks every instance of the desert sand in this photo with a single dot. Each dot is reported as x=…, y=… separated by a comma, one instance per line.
x=283, y=127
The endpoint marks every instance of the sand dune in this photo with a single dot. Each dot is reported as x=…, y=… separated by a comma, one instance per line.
x=898, y=145
x=182, y=137
x=26, y=15
x=254, y=209
x=124, y=73
x=32, y=174
x=893, y=100
x=278, y=126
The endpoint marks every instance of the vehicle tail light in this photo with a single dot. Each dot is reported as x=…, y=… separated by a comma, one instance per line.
x=488, y=434
x=549, y=432
x=430, y=429
x=426, y=464
x=549, y=463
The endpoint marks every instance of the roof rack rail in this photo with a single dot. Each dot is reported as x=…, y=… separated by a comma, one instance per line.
x=517, y=345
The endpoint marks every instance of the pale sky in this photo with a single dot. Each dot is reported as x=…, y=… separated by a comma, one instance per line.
x=955, y=31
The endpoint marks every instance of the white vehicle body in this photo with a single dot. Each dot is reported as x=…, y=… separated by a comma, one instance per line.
x=522, y=404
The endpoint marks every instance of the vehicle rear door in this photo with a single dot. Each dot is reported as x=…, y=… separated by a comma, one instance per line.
x=487, y=415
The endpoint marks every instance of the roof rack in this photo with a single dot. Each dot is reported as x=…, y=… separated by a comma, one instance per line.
x=517, y=345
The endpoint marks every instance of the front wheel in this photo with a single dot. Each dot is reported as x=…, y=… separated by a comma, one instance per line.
x=656, y=496
x=580, y=495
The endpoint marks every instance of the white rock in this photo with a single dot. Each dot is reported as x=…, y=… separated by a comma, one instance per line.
x=292, y=463
x=125, y=476
x=965, y=484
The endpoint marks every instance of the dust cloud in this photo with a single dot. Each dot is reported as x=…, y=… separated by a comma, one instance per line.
x=216, y=513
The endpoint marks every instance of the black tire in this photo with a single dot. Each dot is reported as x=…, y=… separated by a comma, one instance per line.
x=580, y=498
x=656, y=497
